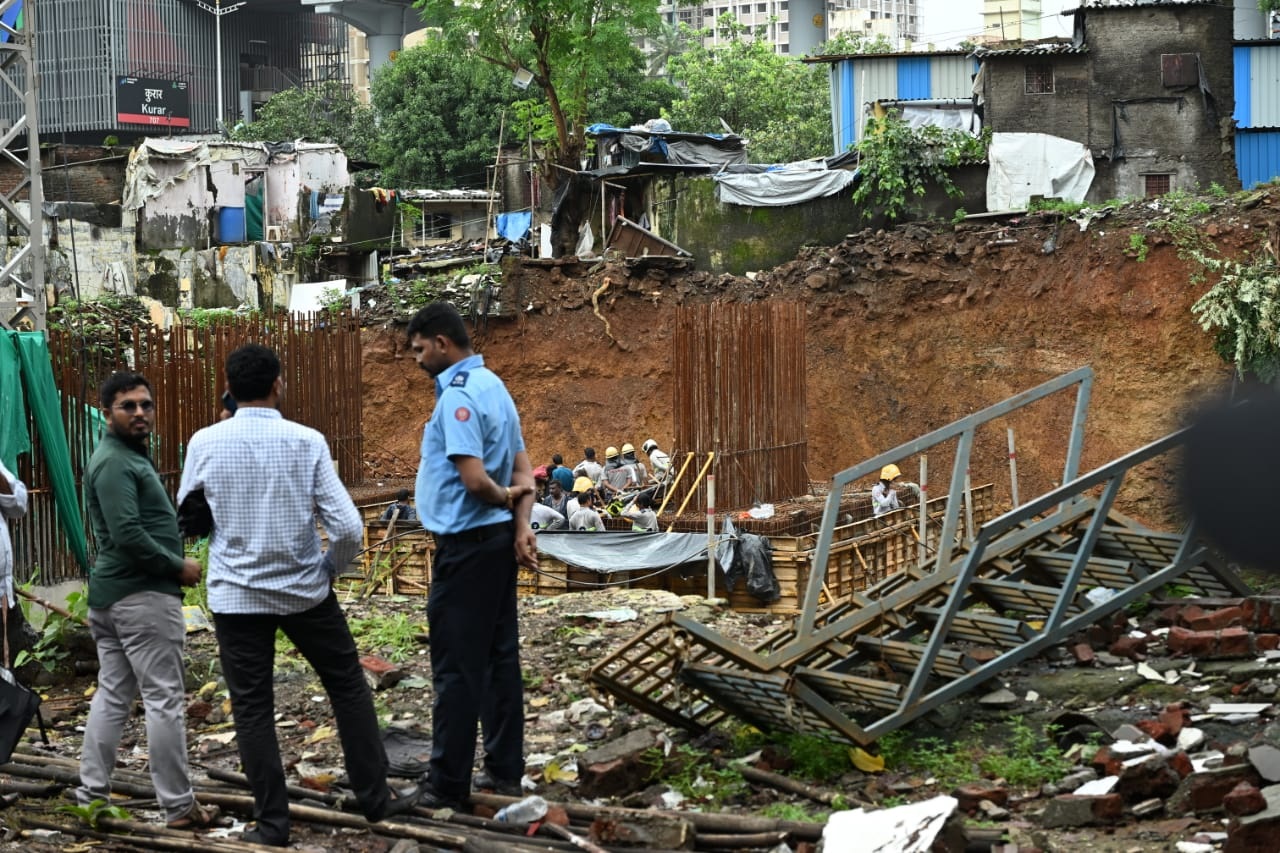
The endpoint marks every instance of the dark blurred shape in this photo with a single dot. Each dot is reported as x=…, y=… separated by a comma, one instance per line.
x=1231, y=478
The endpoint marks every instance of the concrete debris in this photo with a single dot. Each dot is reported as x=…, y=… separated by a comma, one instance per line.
x=1067, y=810
x=1266, y=760
x=904, y=829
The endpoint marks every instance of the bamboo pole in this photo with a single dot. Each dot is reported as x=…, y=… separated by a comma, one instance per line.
x=710, y=457
x=671, y=489
x=1013, y=471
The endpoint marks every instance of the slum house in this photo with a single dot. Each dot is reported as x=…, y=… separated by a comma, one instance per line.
x=446, y=216
x=701, y=199
x=199, y=223
x=1146, y=88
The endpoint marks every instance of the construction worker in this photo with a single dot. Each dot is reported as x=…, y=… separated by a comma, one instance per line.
x=642, y=515
x=639, y=473
x=659, y=462
x=884, y=497
x=588, y=467
x=580, y=487
x=586, y=518
x=616, y=477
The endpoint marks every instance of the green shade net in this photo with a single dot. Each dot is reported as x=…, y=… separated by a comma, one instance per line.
x=36, y=368
x=13, y=419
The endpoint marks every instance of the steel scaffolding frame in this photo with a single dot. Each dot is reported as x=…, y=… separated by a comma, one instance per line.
x=23, y=268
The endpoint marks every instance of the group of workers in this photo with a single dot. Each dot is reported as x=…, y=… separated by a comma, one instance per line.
x=574, y=498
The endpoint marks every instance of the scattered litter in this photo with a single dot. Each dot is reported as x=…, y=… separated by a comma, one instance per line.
x=617, y=614
x=1238, y=707
x=1099, y=596
x=1033, y=696
x=761, y=511
x=1194, y=847
x=903, y=829
x=194, y=619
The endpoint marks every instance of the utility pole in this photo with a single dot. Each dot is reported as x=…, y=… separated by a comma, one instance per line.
x=23, y=271
x=218, y=10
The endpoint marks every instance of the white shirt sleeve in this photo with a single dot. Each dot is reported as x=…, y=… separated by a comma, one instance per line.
x=13, y=506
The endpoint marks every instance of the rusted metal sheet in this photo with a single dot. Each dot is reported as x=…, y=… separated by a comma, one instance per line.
x=739, y=391
x=320, y=361
x=636, y=242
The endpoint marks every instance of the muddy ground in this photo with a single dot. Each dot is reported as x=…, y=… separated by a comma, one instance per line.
x=909, y=330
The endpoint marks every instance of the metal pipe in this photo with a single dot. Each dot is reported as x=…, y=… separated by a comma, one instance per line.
x=711, y=536
x=968, y=504
x=1013, y=470
x=924, y=509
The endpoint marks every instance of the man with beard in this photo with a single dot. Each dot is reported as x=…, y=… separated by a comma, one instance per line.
x=475, y=494
x=135, y=608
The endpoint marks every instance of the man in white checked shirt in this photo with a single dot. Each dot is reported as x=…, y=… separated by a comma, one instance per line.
x=266, y=480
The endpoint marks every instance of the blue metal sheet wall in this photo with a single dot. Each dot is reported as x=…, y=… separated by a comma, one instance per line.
x=1243, y=111
x=1257, y=156
x=846, y=118
x=913, y=78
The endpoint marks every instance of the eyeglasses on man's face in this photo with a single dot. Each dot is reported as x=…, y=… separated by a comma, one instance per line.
x=132, y=406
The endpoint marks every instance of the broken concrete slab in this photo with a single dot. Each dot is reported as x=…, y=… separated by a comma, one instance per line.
x=1257, y=833
x=1266, y=760
x=904, y=829
x=1068, y=810
x=618, y=766
x=1204, y=791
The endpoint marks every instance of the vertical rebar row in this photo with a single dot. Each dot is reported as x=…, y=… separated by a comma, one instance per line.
x=739, y=391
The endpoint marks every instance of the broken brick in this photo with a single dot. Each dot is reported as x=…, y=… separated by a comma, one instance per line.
x=969, y=796
x=617, y=767
x=1149, y=779
x=1067, y=810
x=1174, y=717
x=1261, y=612
x=1180, y=762
x=1104, y=763
x=1157, y=731
x=1256, y=833
x=1244, y=799
x=1226, y=643
x=1204, y=791
x=1217, y=619
x=381, y=674
x=1133, y=648
x=1083, y=653
x=1267, y=642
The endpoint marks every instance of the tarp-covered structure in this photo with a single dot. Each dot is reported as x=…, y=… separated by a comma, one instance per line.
x=1025, y=164
x=619, y=146
x=27, y=385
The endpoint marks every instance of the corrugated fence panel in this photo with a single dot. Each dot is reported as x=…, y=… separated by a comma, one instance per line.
x=951, y=77
x=1243, y=87
x=1264, y=86
x=913, y=78
x=1257, y=156
x=844, y=113
x=874, y=80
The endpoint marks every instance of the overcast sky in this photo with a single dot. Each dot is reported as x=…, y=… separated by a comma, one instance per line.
x=948, y=22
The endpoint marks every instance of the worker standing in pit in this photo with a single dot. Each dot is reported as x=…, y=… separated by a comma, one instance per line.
x=884, y=497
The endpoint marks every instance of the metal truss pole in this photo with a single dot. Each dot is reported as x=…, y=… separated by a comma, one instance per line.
x=22, y=279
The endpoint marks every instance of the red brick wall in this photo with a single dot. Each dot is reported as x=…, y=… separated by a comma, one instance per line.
x=91, y=174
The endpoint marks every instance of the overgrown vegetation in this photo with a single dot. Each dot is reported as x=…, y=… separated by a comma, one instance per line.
x=1137, y=247
x=697, y=776
x=394, y=636
x=93, y=813
x=50, y=649
x=1243, y=310
x=899, y=164
x=1022, y=757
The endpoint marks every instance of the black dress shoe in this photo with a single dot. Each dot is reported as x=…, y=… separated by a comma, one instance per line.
x=430, y=798
x=255, y=836
x=402, y=800
x=482, y=781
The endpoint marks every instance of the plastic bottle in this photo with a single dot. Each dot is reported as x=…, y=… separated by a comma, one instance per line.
x=526, y=811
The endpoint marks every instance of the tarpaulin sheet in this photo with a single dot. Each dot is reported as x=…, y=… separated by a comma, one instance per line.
x=13, y=419
x=42, y=398
x=514, y=226
x=1025, y=164
x=782, y=187
x=623, y=551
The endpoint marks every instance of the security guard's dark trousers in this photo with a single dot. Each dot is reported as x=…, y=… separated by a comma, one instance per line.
x=475, y=658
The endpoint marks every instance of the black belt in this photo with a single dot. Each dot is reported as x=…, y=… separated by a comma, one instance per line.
x=475, y=534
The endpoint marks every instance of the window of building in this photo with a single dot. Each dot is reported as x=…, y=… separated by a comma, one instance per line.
x=1179, y=69
x=782, y=7
x=784, y=48
x=1039, y=79
x=762, y=8
x=782, y=28
x=1158, y=184
x=745, y=9
x=435, y=226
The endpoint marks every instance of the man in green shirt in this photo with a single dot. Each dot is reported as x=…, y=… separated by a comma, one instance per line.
x=135, y=607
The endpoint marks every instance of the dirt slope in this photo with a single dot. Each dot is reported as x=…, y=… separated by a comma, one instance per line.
x=909, y=330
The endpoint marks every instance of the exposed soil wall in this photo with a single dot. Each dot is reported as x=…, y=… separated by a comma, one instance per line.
x=909, y=330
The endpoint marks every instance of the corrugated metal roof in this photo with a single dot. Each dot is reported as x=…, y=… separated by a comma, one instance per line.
x=898, y=55
x=447, y=195
x=1130, y=4
x=1042, y=49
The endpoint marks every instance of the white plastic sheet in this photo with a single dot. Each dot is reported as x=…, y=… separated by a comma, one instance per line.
x=1025, y=164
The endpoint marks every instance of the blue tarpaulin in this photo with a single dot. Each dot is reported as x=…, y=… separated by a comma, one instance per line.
x=513, y=226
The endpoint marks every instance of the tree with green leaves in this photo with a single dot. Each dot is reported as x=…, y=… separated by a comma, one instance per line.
x=567, y=45
x=438, y=117
x=778, y=103
x=328, y=113
x=898, y=164
x=849, y=42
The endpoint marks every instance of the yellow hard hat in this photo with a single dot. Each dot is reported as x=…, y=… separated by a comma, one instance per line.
x=610, y=452
x=582, y=484
x=628, y=448
x=889, y=472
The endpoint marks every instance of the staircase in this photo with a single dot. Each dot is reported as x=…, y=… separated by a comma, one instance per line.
x=870, y=663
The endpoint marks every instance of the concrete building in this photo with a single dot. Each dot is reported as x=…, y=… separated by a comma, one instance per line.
x=1148, y=87
x=1010, y=20
x=795, y=27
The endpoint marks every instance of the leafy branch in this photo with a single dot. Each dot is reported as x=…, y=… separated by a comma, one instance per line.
x=898, y=164
x=1244, y=307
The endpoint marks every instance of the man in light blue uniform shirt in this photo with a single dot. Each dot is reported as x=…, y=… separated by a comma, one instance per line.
x=475, y=492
